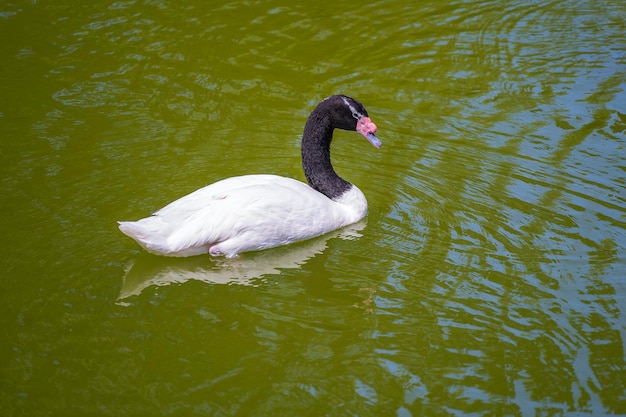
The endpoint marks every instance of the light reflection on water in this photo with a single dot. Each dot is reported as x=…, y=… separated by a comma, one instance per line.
x=489, y=278
x=520, y=219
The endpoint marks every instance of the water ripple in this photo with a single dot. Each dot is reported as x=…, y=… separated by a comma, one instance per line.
x=489, y=277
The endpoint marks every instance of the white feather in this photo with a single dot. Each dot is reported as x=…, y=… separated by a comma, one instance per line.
x=242, y=214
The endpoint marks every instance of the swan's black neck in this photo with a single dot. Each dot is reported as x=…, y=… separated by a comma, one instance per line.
x=319, y=172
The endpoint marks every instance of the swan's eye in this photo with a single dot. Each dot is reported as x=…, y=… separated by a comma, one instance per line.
x=356, y=114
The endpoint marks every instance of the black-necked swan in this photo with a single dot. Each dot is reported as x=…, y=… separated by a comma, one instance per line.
x=254, y=212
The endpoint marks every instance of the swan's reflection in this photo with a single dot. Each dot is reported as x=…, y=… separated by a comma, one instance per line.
x=246, y=269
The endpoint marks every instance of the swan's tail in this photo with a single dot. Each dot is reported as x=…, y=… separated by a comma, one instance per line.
x=147, y=233
x=155, y=235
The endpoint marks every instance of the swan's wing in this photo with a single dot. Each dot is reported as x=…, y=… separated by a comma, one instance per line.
x=260, y=213
x=205, y=196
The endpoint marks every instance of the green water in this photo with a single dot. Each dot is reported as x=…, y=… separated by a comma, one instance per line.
x=489, y=278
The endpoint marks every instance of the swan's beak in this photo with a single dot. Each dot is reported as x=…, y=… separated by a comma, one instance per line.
x=368, y=129
x=373, y=140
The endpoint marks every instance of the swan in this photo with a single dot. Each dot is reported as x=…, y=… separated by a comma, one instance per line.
x=254, y=212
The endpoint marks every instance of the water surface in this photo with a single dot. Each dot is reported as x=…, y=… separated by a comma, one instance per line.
x=488, y=278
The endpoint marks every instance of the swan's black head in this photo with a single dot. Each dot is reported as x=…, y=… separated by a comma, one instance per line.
x=349, y=114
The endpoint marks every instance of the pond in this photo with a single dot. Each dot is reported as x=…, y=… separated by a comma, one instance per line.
x=487, y=279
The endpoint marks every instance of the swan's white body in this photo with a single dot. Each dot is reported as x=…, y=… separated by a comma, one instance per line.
x=246, y=213
x=255, y=212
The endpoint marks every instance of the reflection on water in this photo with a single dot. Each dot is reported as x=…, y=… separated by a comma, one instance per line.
x=246, y=269
x=490, y=277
